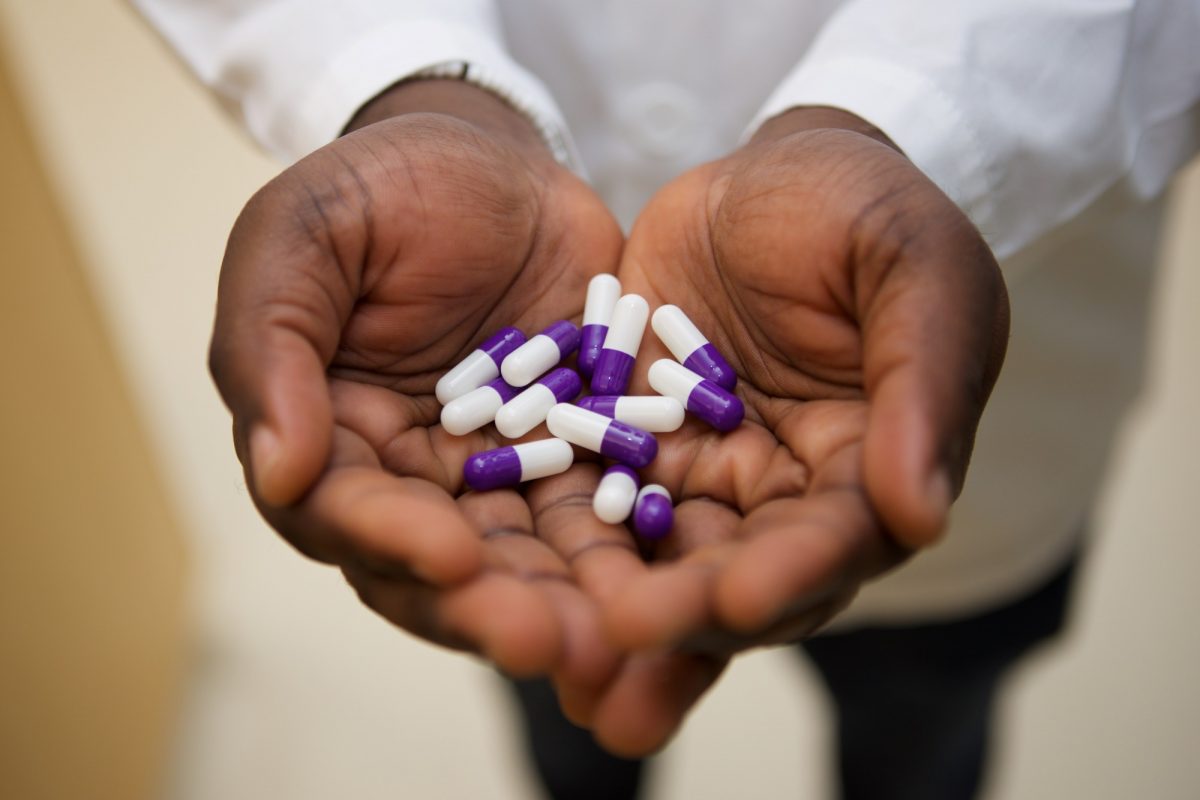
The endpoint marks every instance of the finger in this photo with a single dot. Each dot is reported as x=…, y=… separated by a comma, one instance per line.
x=672, y=601
x=799, y=559
x=494, y=615
x=281, y=303
x=648, y=700
x=934, y=335
x=602, y=558
x=359, y=512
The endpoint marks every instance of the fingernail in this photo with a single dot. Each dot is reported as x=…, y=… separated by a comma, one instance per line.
x=264, y=453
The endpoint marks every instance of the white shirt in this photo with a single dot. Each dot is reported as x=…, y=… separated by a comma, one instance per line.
x=1049, y=122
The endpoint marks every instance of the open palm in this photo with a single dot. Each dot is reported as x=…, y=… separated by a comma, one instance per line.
x=350, y=284
x=867, y=322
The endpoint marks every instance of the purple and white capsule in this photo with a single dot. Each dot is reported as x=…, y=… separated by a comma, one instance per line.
x=481, y=366
x=602, y=435
x=651, y=413
x=602, y=294
x=708, y=401
x=476, y=408
x=691, y=348
x=613, y=501
x=527, y=410
x=539, y=355
x=653, y=512
x=508, y=466
x=614, y=365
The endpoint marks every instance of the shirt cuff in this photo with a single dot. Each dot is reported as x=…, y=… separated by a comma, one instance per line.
x=913, y=111
x=294, y=126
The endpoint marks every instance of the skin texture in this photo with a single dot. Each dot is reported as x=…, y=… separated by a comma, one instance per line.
x=863, y=313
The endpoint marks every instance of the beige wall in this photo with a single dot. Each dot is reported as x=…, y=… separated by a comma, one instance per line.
x=294, y=691
x=91, y=594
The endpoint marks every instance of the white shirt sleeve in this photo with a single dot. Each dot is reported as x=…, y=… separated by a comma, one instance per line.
x=296, y=71
x=1022, y=111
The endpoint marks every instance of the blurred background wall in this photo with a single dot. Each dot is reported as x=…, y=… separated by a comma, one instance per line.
x=157, y=640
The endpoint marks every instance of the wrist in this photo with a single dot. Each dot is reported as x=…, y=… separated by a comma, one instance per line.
x=458, y=99
x=811, y=118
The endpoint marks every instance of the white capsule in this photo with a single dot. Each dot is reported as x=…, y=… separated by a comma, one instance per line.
x=672, y=379
x=628, y=325
x=480, y=366
x=525, y=411
x=651, y=413
x=613, y=501
x=530, y=360
x=544, y=458
x=602, y=294
x=475, y=408
x=469, y=374
x=578, y=426
x=678, y=333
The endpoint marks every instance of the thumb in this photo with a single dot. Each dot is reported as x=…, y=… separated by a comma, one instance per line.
x=281, y=304
x=934, y=336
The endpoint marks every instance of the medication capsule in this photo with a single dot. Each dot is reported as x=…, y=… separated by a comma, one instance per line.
x=653, y=512
x=527, y=410
x=538, y=355
x=602, y=435
x=651, y=413
x=690, y=348
x=702, y=397
x=481, y=366
x=508, y=466
x=614, y=365
x=602, y=294
x=476, y=408
x=613, y=501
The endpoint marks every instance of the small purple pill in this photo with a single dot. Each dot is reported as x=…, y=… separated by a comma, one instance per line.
x=691, y=348
x=528, y=409
x=602, y=294
x=501, y=343
x=708, y=362
x=591, y=339
x=603, y=404
x=614, y=365
x=508, y=466
x=653, y=512
x=481, y=366
x=597, y=433
x=612, y=372
x=538, y=355
x=719, y=408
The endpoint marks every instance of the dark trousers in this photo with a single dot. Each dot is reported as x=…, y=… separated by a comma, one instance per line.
x=913, y=704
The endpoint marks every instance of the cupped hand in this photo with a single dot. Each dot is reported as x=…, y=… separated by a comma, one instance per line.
x=354, y=280
x=867, y=321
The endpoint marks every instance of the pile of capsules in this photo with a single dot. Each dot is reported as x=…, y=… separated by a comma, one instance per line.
x=489, y=386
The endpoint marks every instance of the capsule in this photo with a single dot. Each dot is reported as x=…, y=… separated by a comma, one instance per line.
x=653, y=512
x=614, y=365
x=602, y=435
x=477, y=407
x=691, y=348
x=651, y=413
x=538, y=355
x=508, y=466
x=602, y=294
x=702, y=397
x=613, y=501
x=481, y=366
x=527, y=410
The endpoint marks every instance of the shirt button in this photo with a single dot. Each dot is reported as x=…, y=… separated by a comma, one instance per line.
x=660, y=119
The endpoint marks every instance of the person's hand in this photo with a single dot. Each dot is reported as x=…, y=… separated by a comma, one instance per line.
x=351, y=283
x=867, y=321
